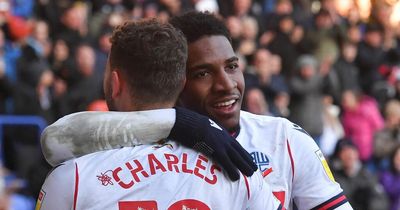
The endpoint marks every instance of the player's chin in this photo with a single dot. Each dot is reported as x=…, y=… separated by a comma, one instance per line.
x=228, y=121
x=232, y=125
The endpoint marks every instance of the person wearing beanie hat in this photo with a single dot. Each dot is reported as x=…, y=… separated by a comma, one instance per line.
x=359, y=185
x=306, y=88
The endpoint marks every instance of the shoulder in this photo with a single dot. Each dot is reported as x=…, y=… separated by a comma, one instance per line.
x=278, y=124
x=249, y=119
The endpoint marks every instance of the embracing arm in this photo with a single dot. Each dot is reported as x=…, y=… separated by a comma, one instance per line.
x=87, y=132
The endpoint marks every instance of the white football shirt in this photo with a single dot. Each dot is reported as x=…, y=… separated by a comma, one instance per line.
x=288, y=158
x=291, y=162
x=158, y=176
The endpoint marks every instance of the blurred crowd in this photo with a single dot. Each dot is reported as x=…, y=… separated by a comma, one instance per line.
x=331, y=66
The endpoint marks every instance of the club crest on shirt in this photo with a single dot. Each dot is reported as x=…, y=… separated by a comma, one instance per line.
x=261, y=160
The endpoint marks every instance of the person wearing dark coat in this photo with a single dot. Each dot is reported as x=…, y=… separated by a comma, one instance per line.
x=359, y=185
x=369, y=57
x=306, y=89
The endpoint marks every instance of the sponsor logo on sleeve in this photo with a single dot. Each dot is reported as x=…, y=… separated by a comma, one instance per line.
x=324, y=164
x=40, y=199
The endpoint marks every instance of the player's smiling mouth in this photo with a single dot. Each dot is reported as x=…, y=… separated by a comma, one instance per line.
x=227, y=106
x=225, y=103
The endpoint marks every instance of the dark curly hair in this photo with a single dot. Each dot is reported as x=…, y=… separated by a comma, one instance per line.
x=195, y=25
x=152, y=55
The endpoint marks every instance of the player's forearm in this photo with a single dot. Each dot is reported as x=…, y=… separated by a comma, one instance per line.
x=107, y=130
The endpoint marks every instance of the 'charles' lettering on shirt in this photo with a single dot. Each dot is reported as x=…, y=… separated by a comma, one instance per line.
x=171, y=164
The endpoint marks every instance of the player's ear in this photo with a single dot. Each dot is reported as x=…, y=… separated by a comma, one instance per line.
x=179, y=102
x=116, y=84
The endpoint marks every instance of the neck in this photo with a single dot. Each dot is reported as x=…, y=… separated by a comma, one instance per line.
x=234, y=132
x=144, y=107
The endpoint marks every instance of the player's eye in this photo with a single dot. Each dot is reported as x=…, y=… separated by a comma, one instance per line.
x=201, y=74
x=232, y=66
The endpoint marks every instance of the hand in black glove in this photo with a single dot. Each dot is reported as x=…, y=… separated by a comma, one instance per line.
x=204, y=135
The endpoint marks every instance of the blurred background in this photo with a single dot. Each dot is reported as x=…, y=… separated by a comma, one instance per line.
x=331, y=66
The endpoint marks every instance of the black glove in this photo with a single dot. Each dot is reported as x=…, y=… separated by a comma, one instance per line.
x=204, y=135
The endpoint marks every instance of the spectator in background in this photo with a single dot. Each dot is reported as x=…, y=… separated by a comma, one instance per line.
x=361, y=119
x=333, y=129
x=369, y=57
x=74, y=21
x=267, y=67
x=6, y=88
x=324, y=34
x=12, y=30
x=380, y=15
x=279, y=105
x=101, y=12
x=32, y=96
x=35, y=80
x=390, y=71
x=242, y=8
x=390, y=179
x=40, y=40
x=284, y=41
x=387, y=139
x=306, y=96
x=397, y=87
x=354, y=34
x=359, y=185
x=102, y=50
x=51, y=12
x=11, y=197
x=397, y=38
x=88, y=88
x=248, y=43
x=235, y=28
x=354, y=18
x=254, y=102
x=345, y=69
x=331, y=8
x=280, y=8
x=59, y=58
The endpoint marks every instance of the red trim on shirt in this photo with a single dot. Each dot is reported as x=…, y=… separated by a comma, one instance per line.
x=332, y=203
x=280, y=196
x=76, y=185
x=266, y=172
x=247, y=186
x=291, y=158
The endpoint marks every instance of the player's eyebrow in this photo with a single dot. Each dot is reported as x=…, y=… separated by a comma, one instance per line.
x=230, y=60
x=209, y=65
x=201, y=66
